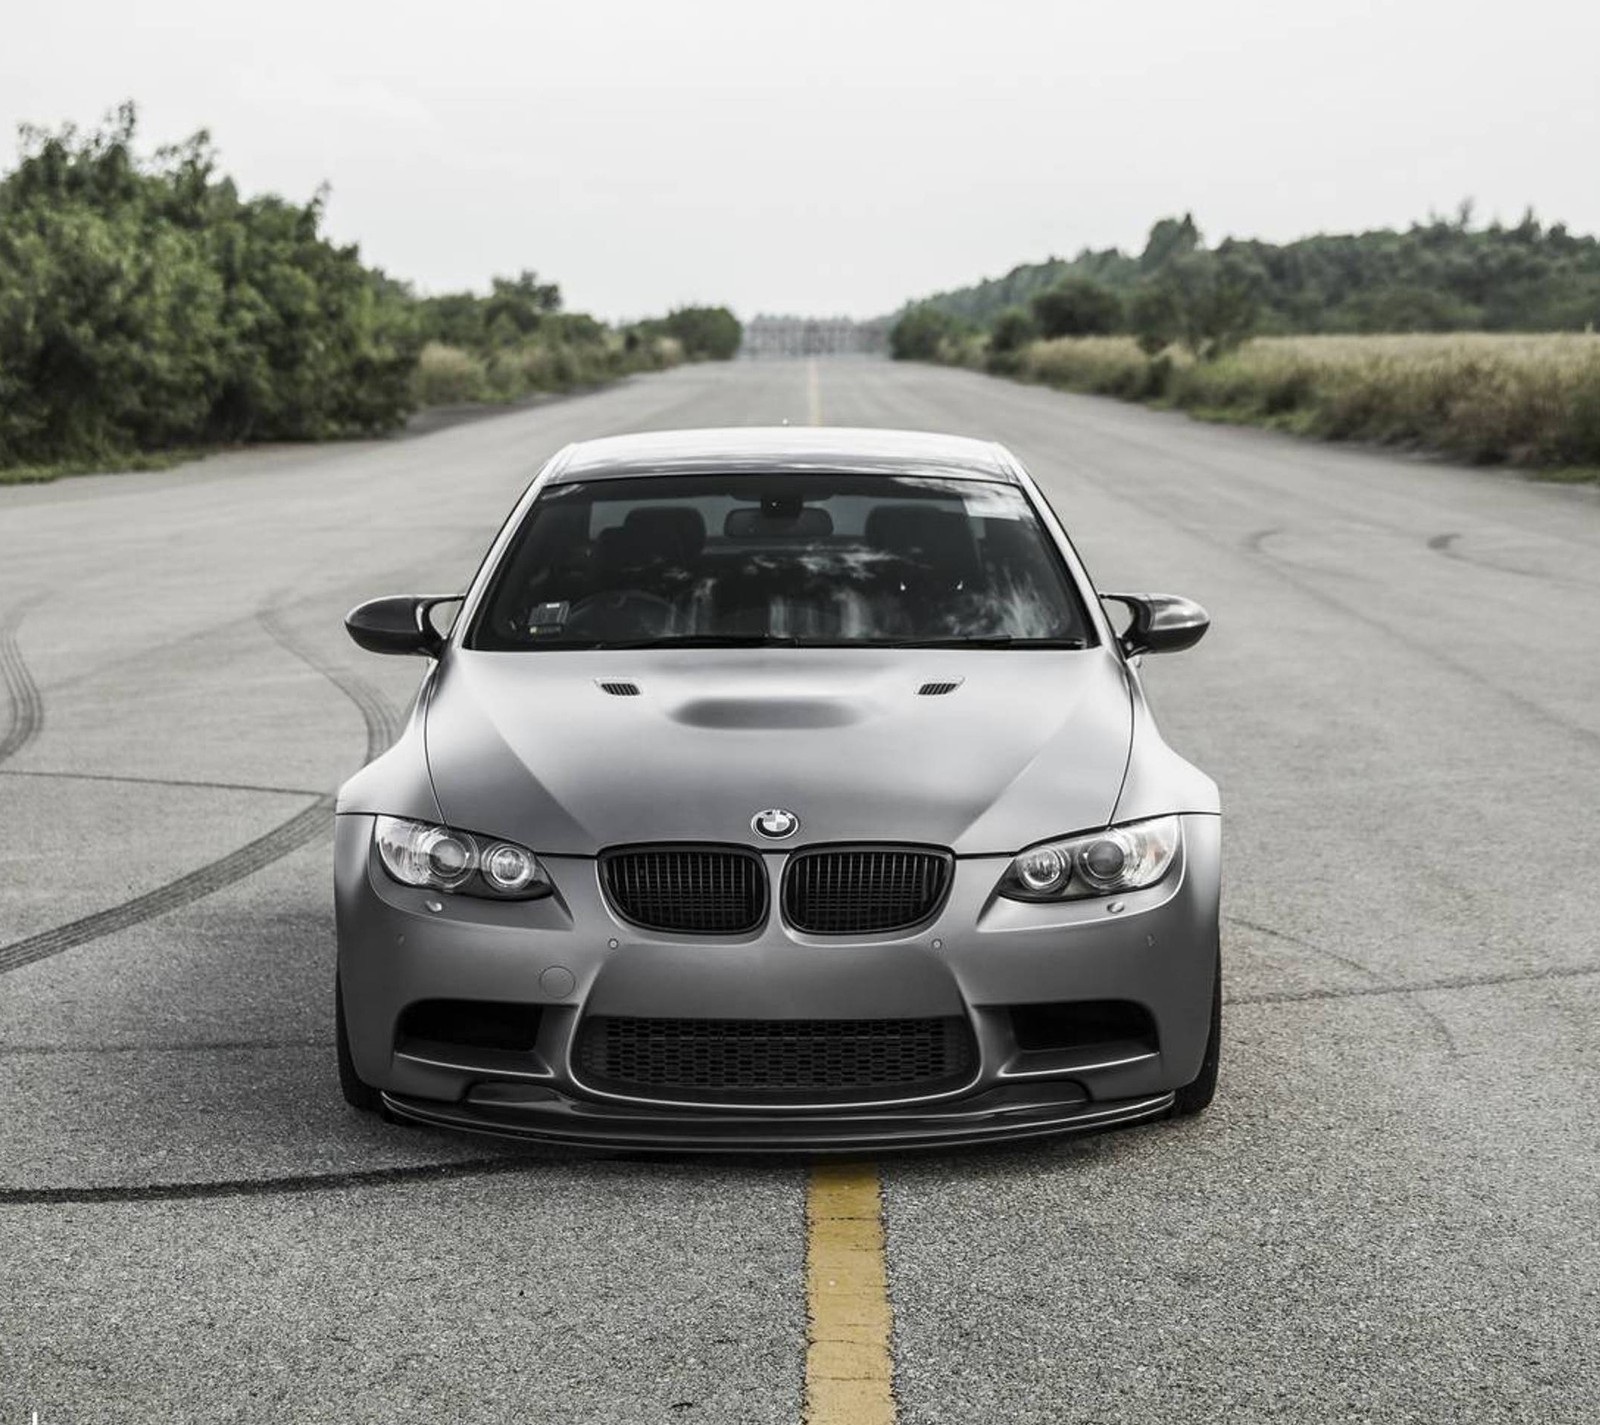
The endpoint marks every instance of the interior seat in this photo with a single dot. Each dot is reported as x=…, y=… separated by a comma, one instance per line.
x=652, y=540
x=939, y=544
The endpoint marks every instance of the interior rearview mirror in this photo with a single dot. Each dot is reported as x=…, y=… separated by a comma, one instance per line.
x=1160, y=623
x=398, y=623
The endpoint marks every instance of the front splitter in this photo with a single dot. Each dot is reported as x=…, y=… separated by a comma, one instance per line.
x=1001, y=1115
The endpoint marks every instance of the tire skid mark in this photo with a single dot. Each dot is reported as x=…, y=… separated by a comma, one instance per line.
x=1295, y=576
x=279, y=604
x=143, y=657
x=1448, y=545
x=22, y=693
x=1447, y=982
x=126, y=780
x=267, y=1187
x=1255, y=544
x=1435, y=1024
x=384, y=722
x=288, y=836
x=304, y=827
x=1273, y=933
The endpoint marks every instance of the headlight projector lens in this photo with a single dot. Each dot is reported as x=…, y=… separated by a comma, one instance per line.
x=1044, y=870
x=509, y=868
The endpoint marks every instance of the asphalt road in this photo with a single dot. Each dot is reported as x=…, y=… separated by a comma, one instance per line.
x=1390, y=1214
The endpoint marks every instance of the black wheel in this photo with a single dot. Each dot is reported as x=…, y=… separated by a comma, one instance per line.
x=1195, y=1096
x=356, y=1093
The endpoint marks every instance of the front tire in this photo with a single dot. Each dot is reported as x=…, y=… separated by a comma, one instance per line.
x=1195, y=1097
x=356, y=1093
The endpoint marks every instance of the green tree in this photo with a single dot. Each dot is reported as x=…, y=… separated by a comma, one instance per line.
x=1403, y=309
x=918, y=333
x=1013, y=329
x=516, y=306
x=1442, y=274
x=1209, y=302
x=1077, y=306
x=1169, y=239
x=454, y=318
x=144, y=304
x=707, y=333
x=1153, y=317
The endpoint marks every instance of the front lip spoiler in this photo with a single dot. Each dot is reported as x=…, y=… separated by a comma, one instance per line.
x=548, y=1117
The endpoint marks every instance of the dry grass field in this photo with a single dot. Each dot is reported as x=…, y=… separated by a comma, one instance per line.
x=1529, y=400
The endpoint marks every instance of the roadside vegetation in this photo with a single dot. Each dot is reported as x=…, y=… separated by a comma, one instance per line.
x=517, y=341
x=1487, y=398
x=148, y=310
x=1476, y=343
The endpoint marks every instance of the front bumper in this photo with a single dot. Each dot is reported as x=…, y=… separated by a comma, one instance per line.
x=982, y=958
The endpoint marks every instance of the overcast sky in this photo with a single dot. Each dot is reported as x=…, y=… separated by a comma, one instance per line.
x=835, y=157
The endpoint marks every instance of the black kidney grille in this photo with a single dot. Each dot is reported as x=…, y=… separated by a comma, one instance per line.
x=692, y=890
x=862, y=890
x=774, y=1060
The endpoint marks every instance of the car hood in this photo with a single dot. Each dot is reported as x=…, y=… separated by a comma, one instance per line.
x=530, y=746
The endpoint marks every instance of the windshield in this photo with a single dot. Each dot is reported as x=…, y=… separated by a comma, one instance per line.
x=800, y=559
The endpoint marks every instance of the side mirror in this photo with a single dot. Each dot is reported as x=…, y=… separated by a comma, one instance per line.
x=397, y=624
x=1161, y=623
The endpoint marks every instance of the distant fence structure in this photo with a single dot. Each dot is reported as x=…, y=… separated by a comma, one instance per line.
x=768, y=336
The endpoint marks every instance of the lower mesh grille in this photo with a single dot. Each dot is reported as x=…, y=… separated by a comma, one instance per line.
x=687, y=889
x=774, y=1060
x=849, y=890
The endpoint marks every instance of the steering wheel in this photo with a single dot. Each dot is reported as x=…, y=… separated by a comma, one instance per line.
x=619, y=612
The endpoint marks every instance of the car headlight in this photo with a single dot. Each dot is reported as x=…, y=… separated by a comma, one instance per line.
x=1099, y=863
x=440, y=858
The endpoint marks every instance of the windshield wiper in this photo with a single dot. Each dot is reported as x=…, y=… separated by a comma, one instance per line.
x=708, y=640
x=982, y=640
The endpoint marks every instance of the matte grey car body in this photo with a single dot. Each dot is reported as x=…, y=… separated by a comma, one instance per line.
x=808, y=771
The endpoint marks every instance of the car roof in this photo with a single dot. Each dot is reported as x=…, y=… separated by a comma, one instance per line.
x=766, y=450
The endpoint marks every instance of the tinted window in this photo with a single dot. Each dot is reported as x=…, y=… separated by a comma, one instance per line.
x=811, y=559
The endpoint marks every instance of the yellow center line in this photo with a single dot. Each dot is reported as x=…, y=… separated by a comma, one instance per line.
x=813, y=393
x=849, y=1365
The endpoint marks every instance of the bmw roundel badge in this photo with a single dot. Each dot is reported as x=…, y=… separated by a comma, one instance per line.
x=775, y=823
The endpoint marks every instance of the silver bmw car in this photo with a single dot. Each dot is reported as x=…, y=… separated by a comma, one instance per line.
x=779, y=789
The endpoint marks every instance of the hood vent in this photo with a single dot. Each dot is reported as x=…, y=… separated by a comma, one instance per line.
x=618, y=687
x=938, y=690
